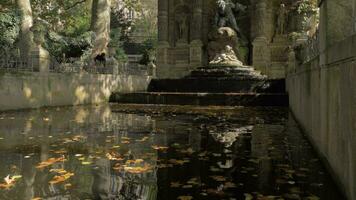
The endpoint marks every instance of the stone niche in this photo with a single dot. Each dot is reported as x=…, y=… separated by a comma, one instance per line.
x=183, y=27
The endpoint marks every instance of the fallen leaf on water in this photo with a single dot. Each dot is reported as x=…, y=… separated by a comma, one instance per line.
x=37, y=198
x=9, y=181
x=185, y=198
x=138, y=170
x=161, y=148
x=58, y=171
x=193, y=181
x=61, y=178
x=137, y=161
x=143, y=139
x=67, y=186
x=218, y=178
x=50, y=162
x=86, y=163
x=188, y=151
x=229, y=185
x=62, y=151
x=312, y=198
x=177, y=162
x=114, y=156
x=46, y=119
x=175, y=184
x=248, y=196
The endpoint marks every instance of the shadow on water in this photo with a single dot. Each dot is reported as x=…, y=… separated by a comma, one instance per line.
x=128, y=152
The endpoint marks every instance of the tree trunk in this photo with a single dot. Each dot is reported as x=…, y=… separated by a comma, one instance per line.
x=26, y=37
x=100, y=25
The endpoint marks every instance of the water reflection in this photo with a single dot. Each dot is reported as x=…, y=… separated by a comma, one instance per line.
x=95, y=153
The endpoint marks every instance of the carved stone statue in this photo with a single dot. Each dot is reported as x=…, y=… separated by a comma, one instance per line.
x=226, y=57
x=225, y=15
x=281, y=20
x=182, y=28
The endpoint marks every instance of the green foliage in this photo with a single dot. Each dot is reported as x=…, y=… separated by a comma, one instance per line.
x=307, y=6
x=9, y=29
x=69, y=17
x=61, y=46
x=148, y=51
x=117, y=43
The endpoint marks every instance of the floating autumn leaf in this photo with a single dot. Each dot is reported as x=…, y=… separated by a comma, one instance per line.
x=46, y=119
x=138, y=170
x=114, y=156
x=218, y=178
x=137, y=161
x=160, y=148
x=185, y=198
x=67, y=186
x=58, y=171
x=143, y=139
x=50, y=162
x=9, y=181
x=37, y=198
x=177, y=162
x=187, y=151
x=248, y=196
x=228, y=185
x=62, y=151
x=125, y=138
x=193, y=181
x=118, y=166
x=61, y=178
x=175, y=184
x=125, y=142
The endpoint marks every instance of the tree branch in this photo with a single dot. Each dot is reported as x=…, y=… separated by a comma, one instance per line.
x=75, y=4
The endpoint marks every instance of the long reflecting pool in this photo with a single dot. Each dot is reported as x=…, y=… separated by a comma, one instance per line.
x=167, y=153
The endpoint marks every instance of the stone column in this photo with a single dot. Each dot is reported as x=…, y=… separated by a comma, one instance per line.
x=261, y=52
x=163, y=37
x=163, y=21
x=196, y=44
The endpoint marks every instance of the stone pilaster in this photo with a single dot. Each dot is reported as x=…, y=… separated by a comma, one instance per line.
x=163, y=21
x=163, y=36
x=40, y=59
x=196, y=44
x=197, y=20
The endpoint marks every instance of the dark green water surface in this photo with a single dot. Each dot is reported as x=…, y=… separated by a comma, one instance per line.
x=166, y=153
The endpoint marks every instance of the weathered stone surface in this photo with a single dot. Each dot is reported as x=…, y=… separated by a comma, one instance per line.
x=35, y=90
x=323, y=99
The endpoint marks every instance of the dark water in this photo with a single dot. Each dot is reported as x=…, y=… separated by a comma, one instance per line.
x=117, y=152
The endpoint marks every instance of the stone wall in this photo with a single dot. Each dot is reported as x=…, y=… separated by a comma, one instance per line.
x=322, y=97
x=33, y=90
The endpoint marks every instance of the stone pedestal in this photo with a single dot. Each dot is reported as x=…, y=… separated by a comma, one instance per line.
x=196, y=54
x=279, y=56
x=40, y=59
x=261, y=54
x=112, y=66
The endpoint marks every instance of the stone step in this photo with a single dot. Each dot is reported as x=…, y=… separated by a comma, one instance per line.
x=217, y=85
x=202, y=99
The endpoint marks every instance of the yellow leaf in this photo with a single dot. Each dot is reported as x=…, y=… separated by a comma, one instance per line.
x=185, y=198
